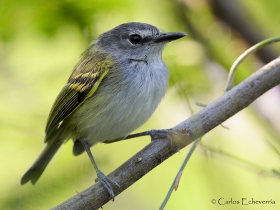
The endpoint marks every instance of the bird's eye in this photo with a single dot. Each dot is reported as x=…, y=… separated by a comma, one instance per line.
x=135, y=38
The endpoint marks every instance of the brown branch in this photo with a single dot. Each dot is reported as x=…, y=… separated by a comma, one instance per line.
x=186, y=132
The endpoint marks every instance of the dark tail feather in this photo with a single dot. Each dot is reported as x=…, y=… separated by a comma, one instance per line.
x=36, y=170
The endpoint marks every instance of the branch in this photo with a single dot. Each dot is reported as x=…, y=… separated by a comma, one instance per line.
x=183, y=134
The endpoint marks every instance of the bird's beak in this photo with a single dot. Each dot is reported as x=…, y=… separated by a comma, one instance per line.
x=167, y=37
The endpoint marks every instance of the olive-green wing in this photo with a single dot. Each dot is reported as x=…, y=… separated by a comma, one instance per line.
x=82, y=84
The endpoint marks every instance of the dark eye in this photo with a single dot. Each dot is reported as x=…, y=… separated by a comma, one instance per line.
x=135, y=38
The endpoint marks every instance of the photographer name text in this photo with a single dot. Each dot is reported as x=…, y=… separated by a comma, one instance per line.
x=242, y=201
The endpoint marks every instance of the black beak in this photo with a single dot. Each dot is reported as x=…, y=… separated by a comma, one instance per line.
x=167, y=37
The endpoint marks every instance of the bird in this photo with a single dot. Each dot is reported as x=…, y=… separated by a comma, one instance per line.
x=114, y=88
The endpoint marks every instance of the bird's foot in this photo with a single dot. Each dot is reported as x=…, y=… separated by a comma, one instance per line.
x=157, y=134
x=106, y=182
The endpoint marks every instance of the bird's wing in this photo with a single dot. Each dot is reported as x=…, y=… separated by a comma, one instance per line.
x=82, y=84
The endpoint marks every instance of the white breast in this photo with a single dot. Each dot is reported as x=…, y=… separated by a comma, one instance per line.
x=122, y=103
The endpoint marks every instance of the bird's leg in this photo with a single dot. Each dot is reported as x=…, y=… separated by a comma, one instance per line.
x=101, y=176
x=155, y=134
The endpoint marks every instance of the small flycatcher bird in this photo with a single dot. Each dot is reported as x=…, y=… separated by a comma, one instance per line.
x=115, y=87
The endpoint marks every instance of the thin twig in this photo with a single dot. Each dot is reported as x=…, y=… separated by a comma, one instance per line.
x=244, y=55
x=175, y=182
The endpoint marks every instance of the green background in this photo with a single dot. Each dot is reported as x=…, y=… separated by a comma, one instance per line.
x=40, y=42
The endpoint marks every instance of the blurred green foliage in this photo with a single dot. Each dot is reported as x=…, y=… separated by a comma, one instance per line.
x=47, y=17
x=40, y=42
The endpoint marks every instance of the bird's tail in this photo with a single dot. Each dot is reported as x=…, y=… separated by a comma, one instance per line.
x=38, y=167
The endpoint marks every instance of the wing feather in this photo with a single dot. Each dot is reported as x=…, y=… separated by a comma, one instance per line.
x=82, y=84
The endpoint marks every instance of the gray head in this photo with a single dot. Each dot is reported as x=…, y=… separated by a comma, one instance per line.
x=136, y=41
